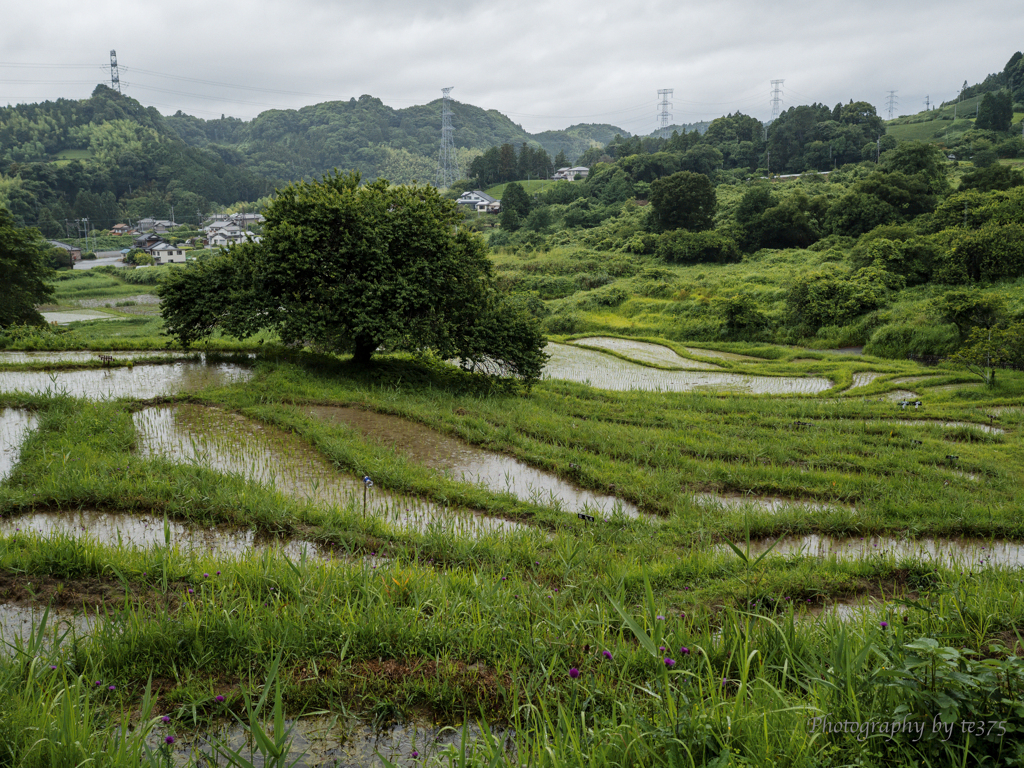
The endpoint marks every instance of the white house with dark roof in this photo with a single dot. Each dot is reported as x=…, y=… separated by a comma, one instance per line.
x=164, y=253
x=571, y=174
x=481, y=201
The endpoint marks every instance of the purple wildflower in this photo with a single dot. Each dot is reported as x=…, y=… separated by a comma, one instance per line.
x=218, y=573
x=607, y=655
x=883, y=624
x=574, y=673
x=206, y=575
x=111, y=687
x=415, y=754
x=685, y=651
x=660, y=618
x=165, y=719
x=168, y=739
x=219, y=699
x=670, y=663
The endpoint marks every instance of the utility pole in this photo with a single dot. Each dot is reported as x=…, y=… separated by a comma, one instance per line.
x=664, y=115
x=447, y=162
x=115, y=80
x=892, y=102
x=927, y=103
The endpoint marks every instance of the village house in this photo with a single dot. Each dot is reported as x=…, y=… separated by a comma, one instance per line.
x=120, y=229
x=74, y=251
x=481, y=201
x=571, y=174
x=163, y=253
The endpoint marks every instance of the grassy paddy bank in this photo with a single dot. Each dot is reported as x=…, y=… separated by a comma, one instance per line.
x=632, y=641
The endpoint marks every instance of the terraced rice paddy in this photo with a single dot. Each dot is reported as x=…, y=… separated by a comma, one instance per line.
x=14, y=426
x=644, y=352
x=138, y=382
x=461, y=461
x=230, y=443
x=585, y=366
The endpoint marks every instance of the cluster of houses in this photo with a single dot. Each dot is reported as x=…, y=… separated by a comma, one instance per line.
x=481, y=202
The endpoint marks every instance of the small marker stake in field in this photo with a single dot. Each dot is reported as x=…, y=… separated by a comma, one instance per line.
x=588, y=518
x=367, y=485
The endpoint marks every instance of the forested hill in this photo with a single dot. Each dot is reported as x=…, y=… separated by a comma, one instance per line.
x=366, y=134
x=109, y=159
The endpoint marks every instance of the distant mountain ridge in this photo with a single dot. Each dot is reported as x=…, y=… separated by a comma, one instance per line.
x=373, y=138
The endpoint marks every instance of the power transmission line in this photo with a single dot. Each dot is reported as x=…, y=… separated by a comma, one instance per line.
x=665, y=115
x=891, y=102
x=447, y=163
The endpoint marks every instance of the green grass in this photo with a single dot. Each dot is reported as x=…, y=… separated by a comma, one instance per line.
x=489, y=628
x=74, y=154
x=531, y=186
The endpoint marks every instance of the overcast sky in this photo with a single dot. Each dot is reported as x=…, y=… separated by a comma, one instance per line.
x=546, y=65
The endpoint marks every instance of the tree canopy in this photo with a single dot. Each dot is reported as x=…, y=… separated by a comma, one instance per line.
x=684, y=200
x=350, y=268
x=24, y=265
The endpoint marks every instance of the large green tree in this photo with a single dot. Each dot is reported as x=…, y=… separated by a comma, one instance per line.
x=684, y=200
x=350, y=268
x=24, y=267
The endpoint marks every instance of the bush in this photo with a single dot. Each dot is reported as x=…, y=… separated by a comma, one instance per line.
x=563, y=324
x=682, y=247
x=899, y=340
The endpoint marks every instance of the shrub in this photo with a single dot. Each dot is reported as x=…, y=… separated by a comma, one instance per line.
x=682, y=247
x=899, y=340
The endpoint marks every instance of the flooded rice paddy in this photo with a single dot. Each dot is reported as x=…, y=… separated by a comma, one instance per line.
x=80, y=356
x=20, y=623
x=139, y=382
x=15, y=425
x=461, y=461
x=964, y=554
x=595, y=369
x=233, y=444
x=644, y=352
x=332, y=743
x=864, y=378
x=149, y=531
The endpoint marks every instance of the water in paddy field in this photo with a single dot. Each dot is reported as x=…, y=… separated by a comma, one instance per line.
x=233, y=444
x=595, y=369
x=138, y=382
x=327, y=742
x=645, y=352
x=19, y=623
x=15, y=425
x=147, y=531
x=968, y=554
x=82, y=356
x=461, y=461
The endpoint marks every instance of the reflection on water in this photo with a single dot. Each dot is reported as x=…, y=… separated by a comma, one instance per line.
x=19, y=623
x=959, y=553
x=595, y=369
x=80, y=356
x=147, y=531
x=468, y=463
x=645, y=352
x=233, y=444
x=141, y=381
x=14, y=426
x=323, y=741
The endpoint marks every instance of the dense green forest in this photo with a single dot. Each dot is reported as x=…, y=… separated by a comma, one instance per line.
x=109, y=159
